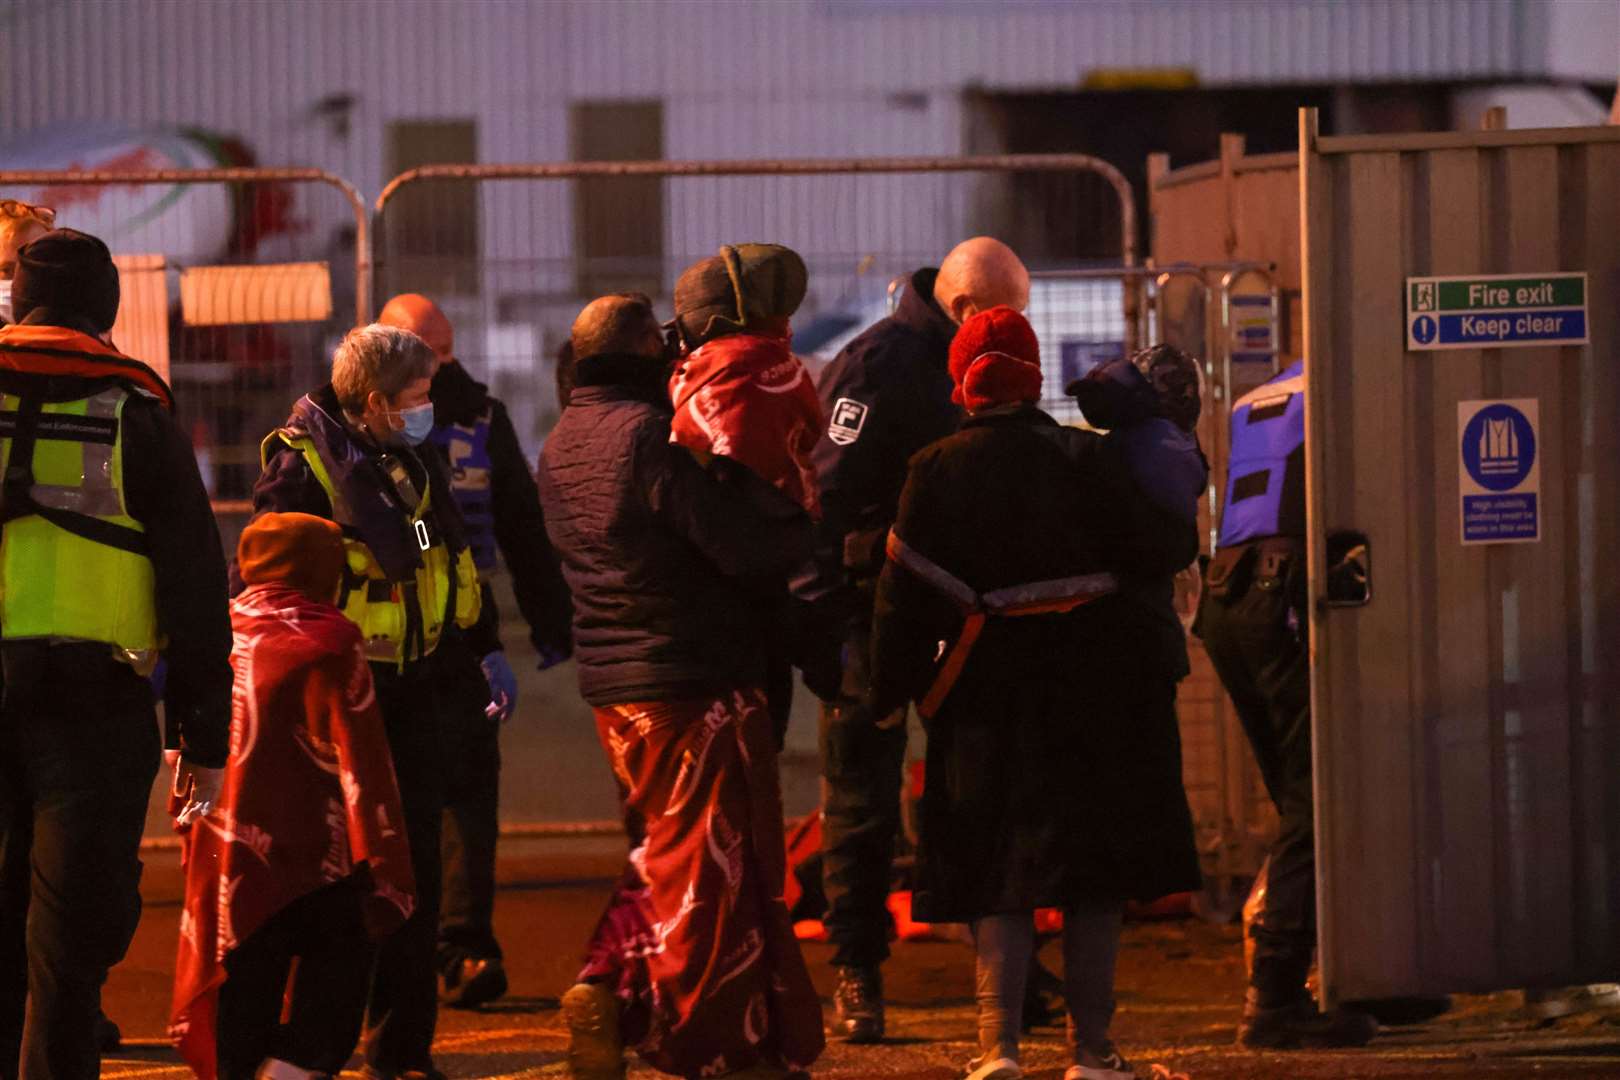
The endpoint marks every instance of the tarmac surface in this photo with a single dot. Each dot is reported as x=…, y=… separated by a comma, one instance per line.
x=1180, y=983
x=1179, y=988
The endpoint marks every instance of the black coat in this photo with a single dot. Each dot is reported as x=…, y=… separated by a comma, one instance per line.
x=1054, y=765
x=885, y=396
x=520, y=526
x=675, y=568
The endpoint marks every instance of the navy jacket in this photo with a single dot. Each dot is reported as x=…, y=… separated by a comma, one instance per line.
x=674, y=567
x=886, y=396
x=1168, y=475
x=520, y=525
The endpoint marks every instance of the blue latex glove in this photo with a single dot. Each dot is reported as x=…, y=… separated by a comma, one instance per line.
x=502, y=685
x=550, y=657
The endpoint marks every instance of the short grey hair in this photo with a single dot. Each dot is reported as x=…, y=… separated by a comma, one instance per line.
x=386, y=359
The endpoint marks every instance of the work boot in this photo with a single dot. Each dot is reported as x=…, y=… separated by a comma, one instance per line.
x=1398, y=1011
x=467, y=982
x=595, y=1048
x=1300, y=1025
x=858, y=1004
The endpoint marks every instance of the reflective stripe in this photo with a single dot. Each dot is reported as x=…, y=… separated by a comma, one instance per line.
x=1013, y=599
x=98, y=494
x=1051, y=597
x=958, y=591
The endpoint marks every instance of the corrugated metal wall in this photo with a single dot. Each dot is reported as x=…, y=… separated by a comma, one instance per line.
x=801, y=77
x=1467, y=731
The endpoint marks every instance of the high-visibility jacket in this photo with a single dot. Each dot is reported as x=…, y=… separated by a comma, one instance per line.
x=407, y=574
x=1265, y=484
x=467, y=448
x=73, y=562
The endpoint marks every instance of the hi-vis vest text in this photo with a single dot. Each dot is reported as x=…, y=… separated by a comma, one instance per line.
x=1265, y=475
x=401, y=620
x=73, y=563
x=1051, y=597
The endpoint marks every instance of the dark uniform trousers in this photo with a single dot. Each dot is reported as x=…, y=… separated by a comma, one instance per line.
x=862, y=765
x=472, y=743
x=404, y=988
x=1254, y=631
x=79, y=750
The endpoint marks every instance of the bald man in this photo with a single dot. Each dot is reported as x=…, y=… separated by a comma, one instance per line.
x=490, y=479
x=886, y=396
x=664, y=557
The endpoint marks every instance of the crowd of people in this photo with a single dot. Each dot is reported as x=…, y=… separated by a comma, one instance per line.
x=912, y=533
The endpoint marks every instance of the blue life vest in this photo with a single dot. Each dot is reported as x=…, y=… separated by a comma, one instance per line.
x=467, y=448
x=1265, y=474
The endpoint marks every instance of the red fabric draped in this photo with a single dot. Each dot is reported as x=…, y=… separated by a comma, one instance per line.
x=747, y=397
x=309, y=795
x=696, y=941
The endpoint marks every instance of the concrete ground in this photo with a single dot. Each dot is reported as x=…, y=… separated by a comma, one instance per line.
x=1179, y=987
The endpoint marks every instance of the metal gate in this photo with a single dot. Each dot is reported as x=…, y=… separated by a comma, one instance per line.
x=1466, y=729
x=512, y=252
x=236, y=284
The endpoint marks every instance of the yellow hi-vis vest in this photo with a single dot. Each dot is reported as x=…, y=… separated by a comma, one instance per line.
x=400, y=621
x=73, y=563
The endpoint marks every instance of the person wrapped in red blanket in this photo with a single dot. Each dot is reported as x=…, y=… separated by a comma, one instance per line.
x=739, y=392
x=737, y=388
x=305, y=854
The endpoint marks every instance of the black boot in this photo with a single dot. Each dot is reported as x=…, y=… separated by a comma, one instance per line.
x=1300, y=1025
x=858, y=1002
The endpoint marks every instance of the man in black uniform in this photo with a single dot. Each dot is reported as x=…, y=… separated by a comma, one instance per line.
x=1253, y=623
x=109, y=555
x=501, y=508
x=885, y=396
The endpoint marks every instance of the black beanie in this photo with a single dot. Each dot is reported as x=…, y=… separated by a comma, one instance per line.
x=69, y=274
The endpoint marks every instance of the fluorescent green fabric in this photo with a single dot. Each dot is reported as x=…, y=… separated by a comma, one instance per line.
x=383, y=620
x=54, y=583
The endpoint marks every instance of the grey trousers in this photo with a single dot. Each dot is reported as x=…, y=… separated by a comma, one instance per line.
x=1005, y=945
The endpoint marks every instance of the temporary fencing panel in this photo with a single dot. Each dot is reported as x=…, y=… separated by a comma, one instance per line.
x=1234, y=208
x=228, y=279
x=1466, y=731
x=512, y=252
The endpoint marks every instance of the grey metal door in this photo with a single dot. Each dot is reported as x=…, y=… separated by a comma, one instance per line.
x=1467, y=718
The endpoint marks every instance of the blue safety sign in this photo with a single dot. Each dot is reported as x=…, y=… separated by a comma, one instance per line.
x=1500, y=475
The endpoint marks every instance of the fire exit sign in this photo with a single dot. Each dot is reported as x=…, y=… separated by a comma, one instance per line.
x=1496, y=311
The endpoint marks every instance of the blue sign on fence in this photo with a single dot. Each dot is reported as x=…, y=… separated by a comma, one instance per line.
x=1500, y=474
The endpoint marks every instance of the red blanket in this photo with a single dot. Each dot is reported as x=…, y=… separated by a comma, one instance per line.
x=309, y=795
x=749, y=398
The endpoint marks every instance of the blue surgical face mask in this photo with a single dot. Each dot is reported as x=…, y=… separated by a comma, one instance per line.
x=418, y=424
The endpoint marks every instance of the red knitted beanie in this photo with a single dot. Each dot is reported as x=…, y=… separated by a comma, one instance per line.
x=995, y=360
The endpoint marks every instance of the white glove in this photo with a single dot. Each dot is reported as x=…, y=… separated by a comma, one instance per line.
x=198, y=786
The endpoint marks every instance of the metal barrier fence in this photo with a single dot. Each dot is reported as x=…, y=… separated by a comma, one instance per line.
x=511, y=252
x=236, y=283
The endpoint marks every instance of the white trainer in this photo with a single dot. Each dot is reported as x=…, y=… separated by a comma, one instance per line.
x=993, y=1069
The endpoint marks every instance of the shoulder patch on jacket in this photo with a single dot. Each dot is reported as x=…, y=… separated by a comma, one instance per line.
x=848, y=417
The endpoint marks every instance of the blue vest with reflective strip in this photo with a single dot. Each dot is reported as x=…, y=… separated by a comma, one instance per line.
x=1265, y=477
x=467, y=448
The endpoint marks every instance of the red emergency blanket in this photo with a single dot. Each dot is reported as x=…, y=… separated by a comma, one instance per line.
x=696, y=941
x=309, y=795
x=747, y=397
